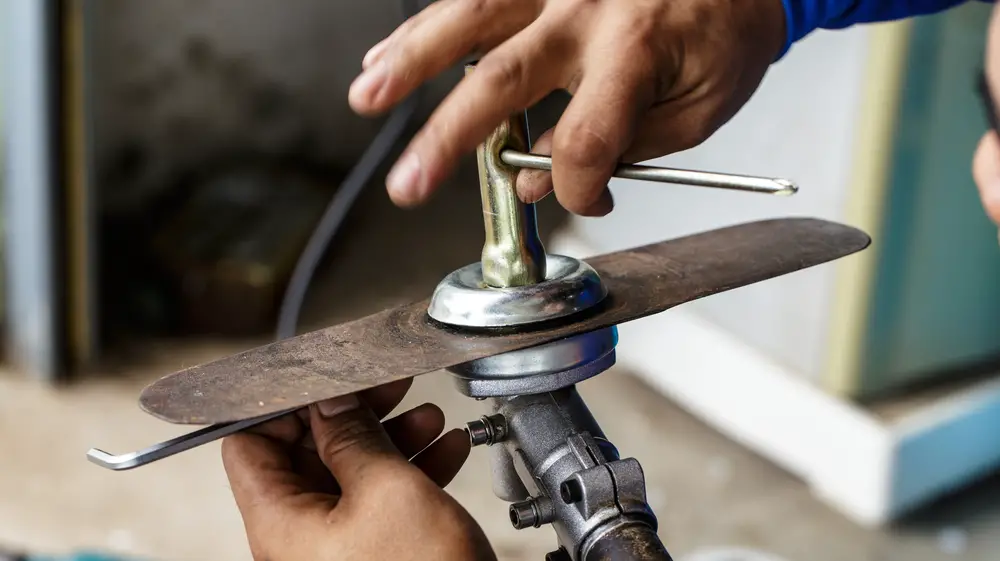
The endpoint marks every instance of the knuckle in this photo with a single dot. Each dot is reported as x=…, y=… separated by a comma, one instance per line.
x=501, y=73
x=591, y=155
x=347, y=434
x=434, y=138
x=645, y=28
x=582, y=146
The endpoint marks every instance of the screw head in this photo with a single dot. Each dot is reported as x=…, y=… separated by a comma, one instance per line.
x=523, y=515
x=571, y=491
x=487, y=430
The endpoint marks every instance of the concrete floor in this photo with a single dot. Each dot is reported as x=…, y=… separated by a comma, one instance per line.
x=707, y=491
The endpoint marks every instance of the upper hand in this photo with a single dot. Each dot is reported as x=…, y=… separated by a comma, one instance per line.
x=986, y=162
x=648, y=77
x=332, y=482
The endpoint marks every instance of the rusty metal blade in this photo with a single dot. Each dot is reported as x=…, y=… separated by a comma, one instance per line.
x=403, y=342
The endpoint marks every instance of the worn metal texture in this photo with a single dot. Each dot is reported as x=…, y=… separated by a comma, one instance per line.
x=404, y=342
x=632, y=542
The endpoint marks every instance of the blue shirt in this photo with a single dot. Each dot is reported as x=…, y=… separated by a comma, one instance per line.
x=805, y=16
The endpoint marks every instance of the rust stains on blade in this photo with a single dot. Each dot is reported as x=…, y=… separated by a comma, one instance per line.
x=403, y=342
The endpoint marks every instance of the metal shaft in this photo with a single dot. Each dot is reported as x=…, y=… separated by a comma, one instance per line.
x=554, y=460
x=513, y=254
x=771, y=186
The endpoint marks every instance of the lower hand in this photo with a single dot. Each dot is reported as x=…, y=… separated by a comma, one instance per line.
x=648, y=77
x=333, y=482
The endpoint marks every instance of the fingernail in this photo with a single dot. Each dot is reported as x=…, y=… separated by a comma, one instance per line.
x=374, y=53
x=404, y=181
x=369, y=83
x=533, y=185
x=338, y=405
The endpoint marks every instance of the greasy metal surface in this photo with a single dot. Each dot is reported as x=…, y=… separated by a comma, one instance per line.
x=634, y=542
x=553, y=438
x=513, y=254
x=462, y=298
x=404, y=342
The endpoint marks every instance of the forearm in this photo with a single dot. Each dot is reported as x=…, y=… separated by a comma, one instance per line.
x=805, y=16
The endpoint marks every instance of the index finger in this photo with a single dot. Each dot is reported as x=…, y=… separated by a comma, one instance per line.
x=430, y=43
x=509, y=79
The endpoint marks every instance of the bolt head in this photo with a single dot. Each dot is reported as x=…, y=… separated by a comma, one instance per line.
x=523, y=515
x=571, y=491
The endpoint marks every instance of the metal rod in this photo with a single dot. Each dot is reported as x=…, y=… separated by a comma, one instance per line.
x=175, y=445
x=513, y=254
x=770, y=186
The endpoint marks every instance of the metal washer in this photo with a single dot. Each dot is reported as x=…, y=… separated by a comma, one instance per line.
x=462, y=298
x=539, y=369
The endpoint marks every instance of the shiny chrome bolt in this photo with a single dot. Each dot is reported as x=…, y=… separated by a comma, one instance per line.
x=487, y=430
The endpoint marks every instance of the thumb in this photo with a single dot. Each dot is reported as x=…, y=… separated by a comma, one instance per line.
x=350, y=440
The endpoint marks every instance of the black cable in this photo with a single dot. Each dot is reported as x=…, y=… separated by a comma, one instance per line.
x=360, y=175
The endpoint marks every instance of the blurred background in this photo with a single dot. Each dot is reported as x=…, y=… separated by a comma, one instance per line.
x=164, y=163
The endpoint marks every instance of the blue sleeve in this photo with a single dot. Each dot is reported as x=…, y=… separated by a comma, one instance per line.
x=802, y=17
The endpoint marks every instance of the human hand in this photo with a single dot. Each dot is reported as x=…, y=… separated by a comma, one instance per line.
x=648, y=78
x=986, y=162
x=332, y=482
